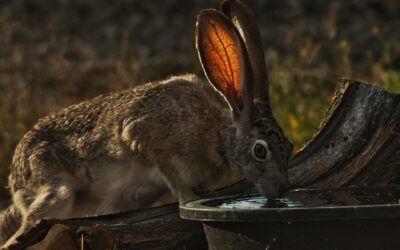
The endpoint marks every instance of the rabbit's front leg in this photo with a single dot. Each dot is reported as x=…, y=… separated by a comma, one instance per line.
x=144, y=196
x=176, y=180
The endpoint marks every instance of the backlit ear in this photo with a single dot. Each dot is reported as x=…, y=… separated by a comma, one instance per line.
x=224, y=59
x=244, y=21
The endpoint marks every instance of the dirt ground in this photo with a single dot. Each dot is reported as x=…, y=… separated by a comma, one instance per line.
x=57, y=52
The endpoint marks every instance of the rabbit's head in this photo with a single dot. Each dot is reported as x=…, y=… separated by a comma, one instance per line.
x=231, y=53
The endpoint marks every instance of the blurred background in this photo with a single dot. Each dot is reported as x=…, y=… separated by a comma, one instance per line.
x=55, y=53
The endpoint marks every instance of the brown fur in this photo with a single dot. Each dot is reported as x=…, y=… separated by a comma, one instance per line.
x=120, y=151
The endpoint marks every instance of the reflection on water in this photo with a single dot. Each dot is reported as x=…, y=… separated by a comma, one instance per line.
x=315, y=198
x=256, y=201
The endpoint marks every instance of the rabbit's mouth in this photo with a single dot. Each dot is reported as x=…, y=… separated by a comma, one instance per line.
x=272, y=187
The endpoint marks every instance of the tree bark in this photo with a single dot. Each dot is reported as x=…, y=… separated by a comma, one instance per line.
x=358, y=143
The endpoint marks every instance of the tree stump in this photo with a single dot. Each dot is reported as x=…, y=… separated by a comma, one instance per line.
x=358, y=142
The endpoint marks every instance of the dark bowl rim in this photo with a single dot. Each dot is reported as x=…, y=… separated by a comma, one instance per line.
x=196, y=210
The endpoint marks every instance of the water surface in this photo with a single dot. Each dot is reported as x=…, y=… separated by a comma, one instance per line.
x=315, y=198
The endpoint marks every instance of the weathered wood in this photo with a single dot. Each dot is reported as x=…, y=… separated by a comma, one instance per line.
x=153, y=228
x=59, y=237
x=358, y=143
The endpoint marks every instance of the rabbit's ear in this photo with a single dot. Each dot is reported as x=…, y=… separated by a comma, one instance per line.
x=224, y=60
x=244, y=21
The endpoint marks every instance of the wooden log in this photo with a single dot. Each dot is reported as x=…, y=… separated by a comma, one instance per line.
x=358, y=143
x=152, y=228
x=59, y=237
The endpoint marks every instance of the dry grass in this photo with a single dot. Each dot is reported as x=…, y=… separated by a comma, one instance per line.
x=55, y=53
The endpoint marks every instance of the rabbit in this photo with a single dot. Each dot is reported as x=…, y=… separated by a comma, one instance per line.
x=126, y=150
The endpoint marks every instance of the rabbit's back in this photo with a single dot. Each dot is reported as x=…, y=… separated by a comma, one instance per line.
x=140, y=125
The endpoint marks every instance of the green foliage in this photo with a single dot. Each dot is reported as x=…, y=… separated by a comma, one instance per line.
x=298, y=103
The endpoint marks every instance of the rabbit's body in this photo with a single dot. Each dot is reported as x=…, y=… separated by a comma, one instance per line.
x=110, y=149
x=122, y=151
x=134, y=148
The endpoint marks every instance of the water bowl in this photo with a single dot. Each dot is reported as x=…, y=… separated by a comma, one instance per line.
x=348, y=218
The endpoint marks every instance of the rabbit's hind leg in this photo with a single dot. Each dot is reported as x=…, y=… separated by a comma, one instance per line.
x=49, y=202
x=48, y=194
x=52, y=202
x=52, y=182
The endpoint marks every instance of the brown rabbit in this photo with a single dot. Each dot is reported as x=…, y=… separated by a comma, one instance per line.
x=126, y=150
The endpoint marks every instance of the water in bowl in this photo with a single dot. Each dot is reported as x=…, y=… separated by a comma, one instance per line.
x=315, y=198
x=257, y=201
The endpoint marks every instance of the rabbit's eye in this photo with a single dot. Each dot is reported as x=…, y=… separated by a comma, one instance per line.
x=260, y=150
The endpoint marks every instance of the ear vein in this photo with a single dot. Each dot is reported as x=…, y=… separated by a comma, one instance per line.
x=226, y=67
